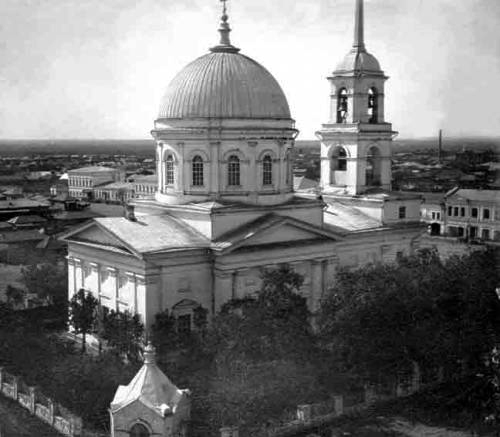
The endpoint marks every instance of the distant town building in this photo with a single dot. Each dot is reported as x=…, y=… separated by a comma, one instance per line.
x=81, y=181
x=114, y=192
x=144, y=185
x=473, y=214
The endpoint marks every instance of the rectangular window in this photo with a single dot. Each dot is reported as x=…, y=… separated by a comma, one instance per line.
x=473, y=232
x=449, y=210
x=184, y=324
x=438, y=216
x=486, y=214
x=473, y=212
x=455, y=211
x=460, y=232
x=462, y=212
x=485, y=234
x=402, y=212
x=433, y=215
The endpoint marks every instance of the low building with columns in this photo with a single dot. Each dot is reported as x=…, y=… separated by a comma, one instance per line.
x=225, y=208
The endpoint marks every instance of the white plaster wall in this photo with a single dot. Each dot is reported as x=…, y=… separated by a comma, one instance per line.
x=193, y=282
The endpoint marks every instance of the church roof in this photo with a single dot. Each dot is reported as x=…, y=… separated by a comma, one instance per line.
x=343, y=217
x=154, y=233
x=224, y=84
x=151, y=387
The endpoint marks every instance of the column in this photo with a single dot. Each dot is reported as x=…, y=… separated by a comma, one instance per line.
x=214, y=167
x=223, y=289
x=131, y=292
x=140, y=297
x=93, y=279
x=253, y=177
x=71, y=277
x=113, y=284
x=78, y=274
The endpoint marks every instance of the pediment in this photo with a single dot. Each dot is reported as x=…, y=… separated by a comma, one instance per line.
x=95, y=235
x=275, y=231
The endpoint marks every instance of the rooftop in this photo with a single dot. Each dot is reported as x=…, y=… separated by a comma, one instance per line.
x=154, y=233
x=478, y=195
x=93, y=169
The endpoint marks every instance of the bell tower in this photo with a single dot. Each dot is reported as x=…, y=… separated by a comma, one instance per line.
x=356, y=141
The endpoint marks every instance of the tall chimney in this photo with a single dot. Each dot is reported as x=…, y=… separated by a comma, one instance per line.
x=129, y=212
x=440, y=146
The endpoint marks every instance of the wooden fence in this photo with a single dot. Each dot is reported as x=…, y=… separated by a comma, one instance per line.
x=40, y=405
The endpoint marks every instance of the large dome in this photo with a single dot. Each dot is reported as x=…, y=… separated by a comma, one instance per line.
x=224, y=84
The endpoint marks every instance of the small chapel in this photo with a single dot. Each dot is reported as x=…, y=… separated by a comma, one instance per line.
x=225, y=208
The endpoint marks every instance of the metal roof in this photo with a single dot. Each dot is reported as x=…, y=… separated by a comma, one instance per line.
x=224, y=84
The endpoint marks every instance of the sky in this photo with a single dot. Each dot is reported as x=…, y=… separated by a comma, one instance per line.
x=98, y=68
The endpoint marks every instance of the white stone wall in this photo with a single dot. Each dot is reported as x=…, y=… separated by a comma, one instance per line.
x=215, y=163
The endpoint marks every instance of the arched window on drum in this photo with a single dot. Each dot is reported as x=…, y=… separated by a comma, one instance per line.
x=169, y=170
x=233, y=171
x=197, y=171
x=267, y=170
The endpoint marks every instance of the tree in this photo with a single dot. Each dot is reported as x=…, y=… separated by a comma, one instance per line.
x=47, y=281
x=273, y=325
x=383, y=319
x=82, y=313
x=124, y=332
x=15, y=296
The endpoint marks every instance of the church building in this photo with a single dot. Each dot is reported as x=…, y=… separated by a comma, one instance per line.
x=225, y=208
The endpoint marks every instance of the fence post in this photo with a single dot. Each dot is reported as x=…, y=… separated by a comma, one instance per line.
x=51, y=411
x=76, y=426
x=15, y=383
x=338, y=404
x=304, y=412
x=32, y=394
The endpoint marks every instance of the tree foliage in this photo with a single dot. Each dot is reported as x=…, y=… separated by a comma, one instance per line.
x=82, y=312
x=272, y=325
x=47, y=281
x=123, y=331
x=383, y=318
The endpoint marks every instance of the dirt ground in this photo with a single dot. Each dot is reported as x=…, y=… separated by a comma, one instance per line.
x=15, y=421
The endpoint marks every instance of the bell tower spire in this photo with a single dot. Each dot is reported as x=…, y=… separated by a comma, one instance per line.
x=359, y=27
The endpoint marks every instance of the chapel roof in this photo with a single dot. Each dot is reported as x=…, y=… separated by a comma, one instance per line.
x=151, y=387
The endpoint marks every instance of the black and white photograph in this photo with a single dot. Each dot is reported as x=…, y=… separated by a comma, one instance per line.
x=249, y=218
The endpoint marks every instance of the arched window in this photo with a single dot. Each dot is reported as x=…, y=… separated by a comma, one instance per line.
x=342, y=106
x=139, y=430
x=197, y=171
x=372, y=105
x=169, y=164
x=233, y=170
x=267, y=170
x=342, y=160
